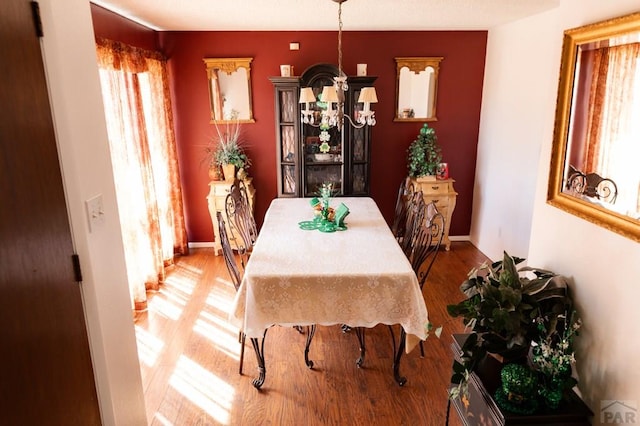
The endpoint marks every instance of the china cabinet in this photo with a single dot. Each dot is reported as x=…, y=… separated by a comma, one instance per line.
x=218, y=191
x=442, y=193
x=302, y=168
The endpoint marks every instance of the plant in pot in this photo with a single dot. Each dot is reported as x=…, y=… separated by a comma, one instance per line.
x=226, y=151
x=503, y=307
x=424, y=154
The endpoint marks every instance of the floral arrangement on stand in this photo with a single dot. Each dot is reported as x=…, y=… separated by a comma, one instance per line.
x=513, y=312
x=327, y=219
x=226, y=150
x=553, y=356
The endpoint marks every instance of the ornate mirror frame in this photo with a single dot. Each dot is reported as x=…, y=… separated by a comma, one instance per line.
x=416, y=88
x=230, y=89
x=558, y=195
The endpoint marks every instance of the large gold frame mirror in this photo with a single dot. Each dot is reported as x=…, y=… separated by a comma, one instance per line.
x=595, y=159
x=230, y=89
x=416, y=88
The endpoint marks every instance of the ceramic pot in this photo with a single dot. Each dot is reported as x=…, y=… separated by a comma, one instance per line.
x=229, y=171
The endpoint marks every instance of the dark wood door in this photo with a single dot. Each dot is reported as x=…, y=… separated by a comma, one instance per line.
x=46, y=375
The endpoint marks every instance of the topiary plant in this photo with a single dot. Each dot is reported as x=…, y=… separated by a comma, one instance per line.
x=424, y=153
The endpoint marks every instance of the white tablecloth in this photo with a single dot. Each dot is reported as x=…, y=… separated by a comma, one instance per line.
x=359, y=277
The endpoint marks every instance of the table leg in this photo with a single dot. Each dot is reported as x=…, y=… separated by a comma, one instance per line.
x=258, y=347
x=360, y=335
x=311, y=331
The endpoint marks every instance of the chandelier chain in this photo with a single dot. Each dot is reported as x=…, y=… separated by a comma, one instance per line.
x=340, y=39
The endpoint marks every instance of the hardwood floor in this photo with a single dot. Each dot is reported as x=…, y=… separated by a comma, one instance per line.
x=189, y=358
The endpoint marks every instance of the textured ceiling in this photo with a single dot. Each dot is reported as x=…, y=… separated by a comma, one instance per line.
x=281, y=15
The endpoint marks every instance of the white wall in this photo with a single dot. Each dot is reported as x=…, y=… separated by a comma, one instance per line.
x=510, y=210
x=74, y=87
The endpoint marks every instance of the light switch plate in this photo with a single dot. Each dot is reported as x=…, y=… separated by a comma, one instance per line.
x=95, y=212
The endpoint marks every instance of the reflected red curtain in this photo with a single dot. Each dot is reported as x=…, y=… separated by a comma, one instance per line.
x=216, y=95
x=613, y=126
x=137, y=104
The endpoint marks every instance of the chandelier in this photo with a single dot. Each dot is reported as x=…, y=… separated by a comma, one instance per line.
x=334, y=95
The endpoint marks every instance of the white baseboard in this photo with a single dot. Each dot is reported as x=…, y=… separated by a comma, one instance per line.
x=460, y=238
x=201, y=245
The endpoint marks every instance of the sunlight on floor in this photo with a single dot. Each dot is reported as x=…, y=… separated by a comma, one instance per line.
x=149, y=346
x=204, y=389
x=175, y=293
x=214, y=325
x=164, y=307
x=183, y=281
x=223, y=340
x=162, y=419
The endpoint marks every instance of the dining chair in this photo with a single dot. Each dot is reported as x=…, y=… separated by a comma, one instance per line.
x=416, y=208
x=241, y=220
x=234, y=274
x=425, y=246
x=236, y=278
x=405, y=192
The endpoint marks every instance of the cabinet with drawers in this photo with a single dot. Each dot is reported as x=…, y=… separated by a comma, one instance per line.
x=218, y=191
x=442, y=193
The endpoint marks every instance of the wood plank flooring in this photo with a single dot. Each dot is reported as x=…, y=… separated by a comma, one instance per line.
x=189, y=358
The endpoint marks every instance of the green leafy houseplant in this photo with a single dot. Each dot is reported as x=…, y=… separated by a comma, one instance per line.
x=227, y=147
x=502, y=310
x=424, y=153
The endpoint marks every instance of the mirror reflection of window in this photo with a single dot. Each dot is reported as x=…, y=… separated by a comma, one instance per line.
x=416, y=89
x=230, y=89
x=605, y=130
x=411, y=97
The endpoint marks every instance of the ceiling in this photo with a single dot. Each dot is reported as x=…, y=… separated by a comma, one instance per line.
x=317, y=15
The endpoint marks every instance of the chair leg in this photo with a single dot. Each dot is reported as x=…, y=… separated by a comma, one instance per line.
x=242, y=338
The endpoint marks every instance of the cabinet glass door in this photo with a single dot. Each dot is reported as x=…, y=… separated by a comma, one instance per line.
x=322, y=167
x=288, y=114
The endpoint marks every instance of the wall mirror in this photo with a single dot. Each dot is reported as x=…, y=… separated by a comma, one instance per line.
x=595, y=159
x=230, y=89
x=416, y=88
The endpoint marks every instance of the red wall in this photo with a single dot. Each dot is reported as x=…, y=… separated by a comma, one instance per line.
x=108, y=25
x=458, y=107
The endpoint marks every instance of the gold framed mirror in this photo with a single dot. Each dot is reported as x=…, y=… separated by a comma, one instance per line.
x=416, y=88
x=595, y=170
x=230, y=89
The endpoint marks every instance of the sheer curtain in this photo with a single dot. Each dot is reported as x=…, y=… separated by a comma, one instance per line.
x=613, y=126
x=144, y=160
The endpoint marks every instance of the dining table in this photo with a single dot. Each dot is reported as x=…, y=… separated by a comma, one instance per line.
x=356, y=277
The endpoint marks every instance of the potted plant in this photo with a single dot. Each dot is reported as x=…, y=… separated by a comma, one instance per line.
x=226, y=150
x=503, y=308
x=424, y=154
